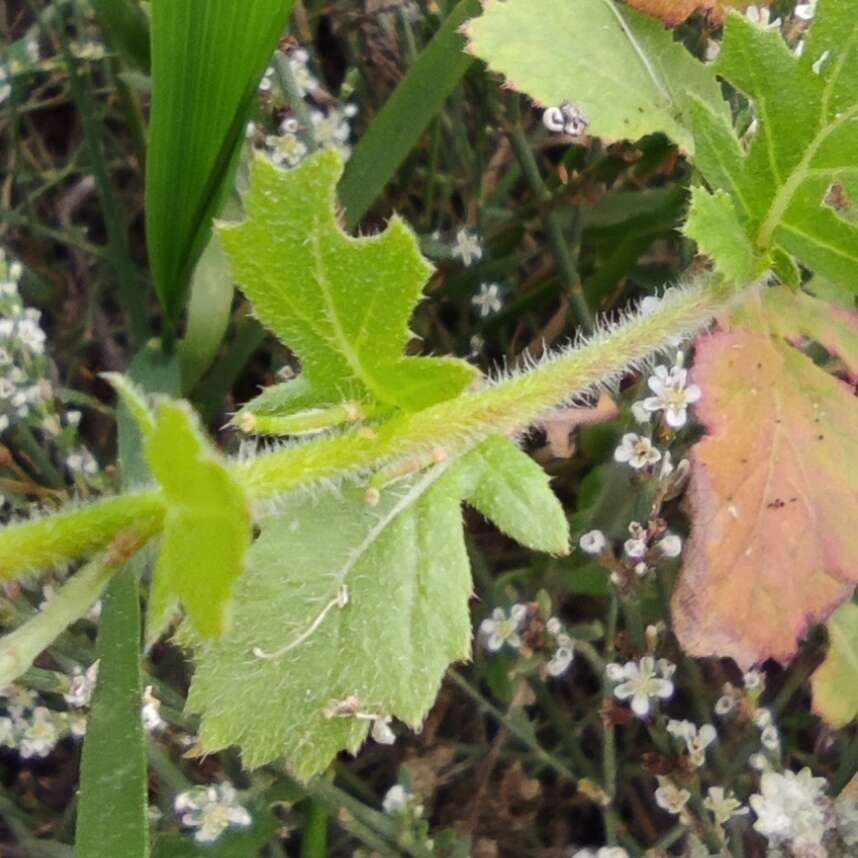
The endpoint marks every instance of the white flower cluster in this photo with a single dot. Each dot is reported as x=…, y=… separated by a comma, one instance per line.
x=643, y=682
x=34, y=730
x=26, y=393
x=330, y=124
x=399, y=801
x=24, y=57
x=31, y=729
x=793, y=812
x=564, y=654
x=211, y=810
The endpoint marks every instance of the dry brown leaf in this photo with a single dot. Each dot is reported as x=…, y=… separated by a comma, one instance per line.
x=676, y=12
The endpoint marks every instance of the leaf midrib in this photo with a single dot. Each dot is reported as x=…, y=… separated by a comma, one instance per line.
x=341, y=341
x=783, y=198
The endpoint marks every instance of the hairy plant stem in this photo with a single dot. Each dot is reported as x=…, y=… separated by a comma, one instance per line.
x=506, y=406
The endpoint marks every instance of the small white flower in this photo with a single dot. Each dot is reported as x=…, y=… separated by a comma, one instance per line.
x=81, y=686
x=19, y=700
x=712, y=50
x=763, y=717
x=566, y=119
x=670, y=545
x=760, y=15
x=771, y=739
x=211, y=810
x=672, y=394
x=669, y=797
x=150, y=711
x=755, y=680
x=593, y=542
x=791, y=809
x=467, y=247
x=637, y=451
x=396, y=800
x=760, y=762
x=640, y=413
x=285, y=149
x=553, y=626
x=500, y=629
x=488, y=300
x=381, y=731
x=643, y=683
x=40, y=735
x=723, y=805
x=806, y=11
x=726, y=703
x=553, y=120
x=696, y=740
x=635, y=547
x=560, y=661
x=615, y=672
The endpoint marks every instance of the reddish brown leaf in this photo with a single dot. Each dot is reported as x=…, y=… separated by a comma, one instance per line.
x=675, y=12
x=773, y=499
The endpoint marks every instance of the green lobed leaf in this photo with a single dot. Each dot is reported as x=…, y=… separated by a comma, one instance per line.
x=341, y=303
x=713, y=224
x=805, y=141
x=622, y=69
x=835, y=682
x=207, y=59
x=206, y=528
x=297, y=649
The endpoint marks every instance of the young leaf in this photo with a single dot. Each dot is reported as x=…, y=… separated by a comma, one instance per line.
x=512, y=491
x=805, y=141
x=207, y=59
x=622, y=69
x=773, y=547
x=341, y=303
x=348, y=609
x=835, y=681
x=207, y=525
x=713, y=223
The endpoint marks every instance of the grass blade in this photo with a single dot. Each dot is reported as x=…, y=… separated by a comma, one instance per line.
x=112, y=815
x=207, y=59
x=127, y=29
x=405, y=115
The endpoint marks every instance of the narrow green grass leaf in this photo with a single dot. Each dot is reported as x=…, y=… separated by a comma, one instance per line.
x=208, y=313
x=127, y=29
x=416, y=100
x=207, y=59
x=113, y=811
